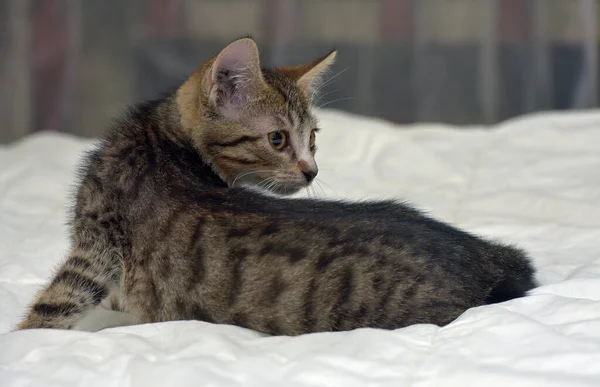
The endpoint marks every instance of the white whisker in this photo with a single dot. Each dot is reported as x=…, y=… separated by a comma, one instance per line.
x=321, y=96
x=272, y=184
x=319, y=181
x=316, y=193
x=335, y=100
x=265, y=182
x=325, y=83
x=239, y=176
x=317, y=188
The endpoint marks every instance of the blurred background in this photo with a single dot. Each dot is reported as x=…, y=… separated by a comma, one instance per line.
x=72, y=65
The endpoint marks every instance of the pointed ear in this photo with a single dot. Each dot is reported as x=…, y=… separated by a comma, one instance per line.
x=309, y=76
x=235, y=77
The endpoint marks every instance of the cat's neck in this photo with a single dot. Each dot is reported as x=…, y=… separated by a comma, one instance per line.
x=155, y=126
x=181, y=147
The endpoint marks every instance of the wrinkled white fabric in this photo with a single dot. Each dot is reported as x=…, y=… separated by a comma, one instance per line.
x=533, y=181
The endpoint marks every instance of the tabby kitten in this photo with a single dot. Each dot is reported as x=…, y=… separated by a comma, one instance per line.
x=166, y=227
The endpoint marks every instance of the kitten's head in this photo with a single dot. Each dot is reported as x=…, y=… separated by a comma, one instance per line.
x=254, y=126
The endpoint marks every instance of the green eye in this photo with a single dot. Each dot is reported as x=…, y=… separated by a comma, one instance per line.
x=278, y=140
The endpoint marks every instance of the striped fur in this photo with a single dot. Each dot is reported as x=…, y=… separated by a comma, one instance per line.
x=164, y=216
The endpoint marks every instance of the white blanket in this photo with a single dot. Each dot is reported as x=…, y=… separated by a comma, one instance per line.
x=533, y=181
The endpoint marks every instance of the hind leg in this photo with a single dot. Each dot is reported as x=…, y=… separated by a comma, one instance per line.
x=139, y=295
x=109, y=313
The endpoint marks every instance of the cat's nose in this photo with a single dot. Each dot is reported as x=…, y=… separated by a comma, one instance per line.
x=309, y=170
x=309, y=175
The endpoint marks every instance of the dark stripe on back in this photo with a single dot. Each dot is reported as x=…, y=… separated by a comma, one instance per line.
x=378, y=282
x=235, y=142
x=82, y=282
x=346, y=286
x=172, y=221
x=274, y=290
x=271, y=229
x=324, y=260
x=56, y=310
x=155, y=298
x=238, y=233
x=309, y=318
x=164, y=264
x=294, y=253
x=139, y=169
x=181, y=308
x=236, y=256
x=361, y=315
x=340, y=312
x=384, y=300
x=196, y=255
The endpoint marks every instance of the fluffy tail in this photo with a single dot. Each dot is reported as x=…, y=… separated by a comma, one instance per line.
x=80, y=284
x=517, y=278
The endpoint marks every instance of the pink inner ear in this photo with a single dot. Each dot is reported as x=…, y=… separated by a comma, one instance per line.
x=238, y=59
x=236, y=76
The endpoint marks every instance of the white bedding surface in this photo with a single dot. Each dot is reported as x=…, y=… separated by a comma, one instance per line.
x=534, y=181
